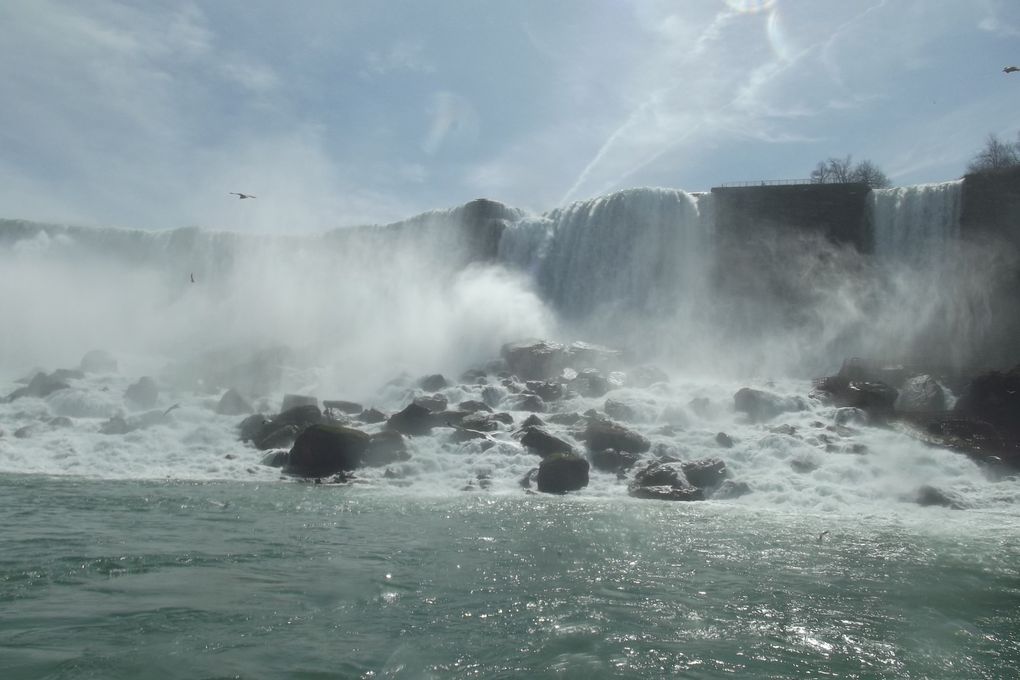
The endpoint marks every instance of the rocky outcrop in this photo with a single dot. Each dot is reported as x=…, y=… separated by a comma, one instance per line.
x=323, y=450
x=605, y=434
x=678, y=481
x=562, y=472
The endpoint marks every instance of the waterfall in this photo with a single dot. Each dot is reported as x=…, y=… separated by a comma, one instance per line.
x=914, y=223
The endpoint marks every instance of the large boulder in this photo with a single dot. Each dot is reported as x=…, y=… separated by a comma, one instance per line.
x=611, y=460
x=433, y=383
x=323, y=450
x=705, y=473
x=674, y=481
x=413, y=420
x=561, y=473
x=994, y=397
x=385, y=448
x=534, y=360
x=41, y=385
x=582, y=355
x=142, y=394
x=433, y=402
x=544, y=444
x=233, y=404
x=919, y=394
x=548, y=390
x=760, y=405
x=605, y=434
x=283, y=429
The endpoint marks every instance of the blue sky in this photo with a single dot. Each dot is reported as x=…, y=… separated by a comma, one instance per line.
x=145, y=114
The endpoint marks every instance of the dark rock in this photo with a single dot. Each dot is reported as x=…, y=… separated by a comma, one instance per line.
x=533, y=421
x=349, y=407
x=301, y=416
x=730, y=489
x=611, y=460
x=585, y=355
x=433, y=383
x=543, y=443
x=276, y=459
x=658, y=473
x=803, y=466
x=724, y=440
x=562, y=472
x=529, y=402
x=548, y=391
x=480, y=421
x=666, y=493
x=283, y=429
x=413, y=420
x=504, y=418
x=784, y=429
x=291, y=401
x=473, y=375
x=705, y=473
x=323, y=450
x=277, y=436
x=372, y=416
x=474, y=405
x=605, y=434
x=493, y=395
x=850, y=415
x=528, y=478
x=98, y=361
x=617, y=410
x=233, y=404
x=930, y=495
x=42, y=385
x=534, y=360
x=570, y=418
x=761, y=406
x=385, y=448
x=250, y=427
x=434, y=402
x=994, y=398
x=143, y=394
x=921, y=393
x=590, y=383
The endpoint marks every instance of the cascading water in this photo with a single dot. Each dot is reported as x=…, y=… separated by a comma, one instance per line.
x=914, y=223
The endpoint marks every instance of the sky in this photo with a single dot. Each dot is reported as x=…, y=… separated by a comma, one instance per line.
x=343, y=112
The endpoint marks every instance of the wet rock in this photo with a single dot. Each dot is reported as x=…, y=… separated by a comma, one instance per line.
x=993, y=398
x=250, y=427
x=534, y=360
x=570, y=418
x=548, y=391
x=585, y=355
x=322, y=450
x=611, y=460
x=666, y=493
x=803, y=466
x=480, y=421
x=705, y=473
x=920, y=393
x=24, y=432
x=433, y=383
x=233, y=404
x=562, y=472
x=873, y=396
x=701, y=407
x=504, y=418
x=529, y=478
x=385, y=448
x=41, y=385
x=414, y=420
x=785, y=429
x=591, y=383
x=724, y=440
x=930, y=495
x=544, y=444
x=143, y=394
x=850, y=415
x=658, y=473
x=493, y=395
x=372, y=416
x=617, y=410
x=730, y=489
x=433, y=402
x=348, y=407
x=472, y=376
x=98, y=361
x=760, y=405
x=474, y=405
x=60, y=422
x=605, y=434
x=529, y=402
x=533, y=421
x=276, y=459
x=283, y=429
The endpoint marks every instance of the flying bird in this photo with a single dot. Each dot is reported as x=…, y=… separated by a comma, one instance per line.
x=192, y=277
x=1011, y=69
x=242, y=196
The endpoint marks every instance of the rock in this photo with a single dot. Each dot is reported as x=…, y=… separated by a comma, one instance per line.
x=98, y=361
x=724, y=440
x=930, y=495
x=528, y=478
x=994, y=398
x=873, y=396
x=493, y=395
x=472, y=376
x=785, y=429
x=323, y=450
x=590, y=383
x=562, y=472
x=433, y=383
x=666, y=493
x=413, y=420
x=143, y=394
x=570, y=418
x=480, y=421
x=543, y=443
x=291, y=401
x=920, y=393
x=349, y=407
x=385, y=448
x=760, y=405
x=233, y=404
x=730, y=489
x=705, y=473
x=803, y=466
x=434, y=402
x=534, y=360
x=529, y=402
x=372, y=416
x=585, y=355
x=605, y=434
x=285, y=427
x=658, y=473
x=24, y=432
x=701, y=407
x=121, y=425
x=617, y=410
x=533, y=421
x=60, y=422
x=504, y=418
x=850, y=415
x=548, y=391
x=474, y=405
x=611, y=460
x=41, y=385
x=250, y=427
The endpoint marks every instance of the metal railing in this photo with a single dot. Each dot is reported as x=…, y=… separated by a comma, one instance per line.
x=766, y=183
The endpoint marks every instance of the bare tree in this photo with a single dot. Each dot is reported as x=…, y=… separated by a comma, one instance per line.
x=997, y=154
x=843, y=171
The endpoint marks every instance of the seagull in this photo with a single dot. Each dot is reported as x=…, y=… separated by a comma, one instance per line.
x=192, y=277
x=821, y=536
x=242, y=196
x=1011, y=69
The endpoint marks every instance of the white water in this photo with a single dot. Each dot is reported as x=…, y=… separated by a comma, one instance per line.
x=916, y=223
x=356, y=309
